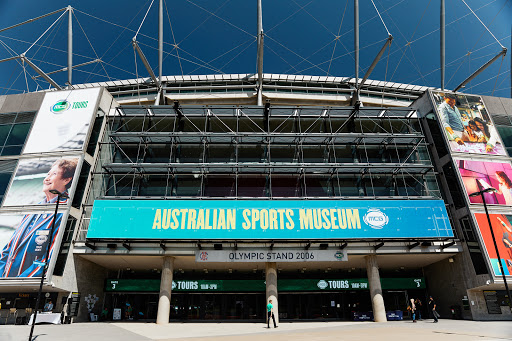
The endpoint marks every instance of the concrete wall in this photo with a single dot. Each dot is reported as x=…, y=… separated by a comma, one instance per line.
x=479, y=308
x=85, y=277
x=498, y=105
x=446, y=284
x=20, y=103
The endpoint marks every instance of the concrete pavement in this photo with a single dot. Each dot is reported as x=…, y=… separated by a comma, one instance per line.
x=452, y=330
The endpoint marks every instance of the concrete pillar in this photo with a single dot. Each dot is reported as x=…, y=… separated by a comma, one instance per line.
x=372, y=268
x=271, y=288
x=164, y=300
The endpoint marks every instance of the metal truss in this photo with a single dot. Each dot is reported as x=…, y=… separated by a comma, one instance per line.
x=315, y=152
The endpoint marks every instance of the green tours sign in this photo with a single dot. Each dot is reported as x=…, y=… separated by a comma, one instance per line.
x=283, y=285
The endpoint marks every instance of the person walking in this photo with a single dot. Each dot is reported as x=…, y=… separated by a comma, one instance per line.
x=419, y=305
x=412, y=309
x=270, y=313
x=432, y=306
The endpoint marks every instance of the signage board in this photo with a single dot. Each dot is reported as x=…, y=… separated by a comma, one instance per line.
x=480, y=175
x=265, y=255
x=502, y=228
x=277, y=219
x=466, y=124
x=283, y=285
x=116, y=315
x=36, y=177
x=25, y=240
x=63, y=121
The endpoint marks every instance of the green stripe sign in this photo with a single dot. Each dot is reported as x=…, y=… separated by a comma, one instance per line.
x=283, y=285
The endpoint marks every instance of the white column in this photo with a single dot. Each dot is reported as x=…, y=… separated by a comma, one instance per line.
x=271, y=287
x=372, y=268
x=164, y=300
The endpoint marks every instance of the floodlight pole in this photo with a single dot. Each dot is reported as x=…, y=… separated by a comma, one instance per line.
x=442, y=32
x=481, y=193
x=45, y=268
x=260, y=54
x=356, y=40
x=160, y=40
x=70, y=46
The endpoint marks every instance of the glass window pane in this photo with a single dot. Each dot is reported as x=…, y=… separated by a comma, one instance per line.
x=219, y=186
x=158, y=153
x=4, y=133
x=318, y=186
x=189, y=153
x=313, y=125
x=187, y=185
x=220, y=153
x=314, y=154
x=252, y=186
x=284, y=153
x=287, y=186
x=252, y=153
x=344, y=154
x=12, y=150
x=120, y=185
x=383, y=185
x=153, y=185
x=350, y=186
x=126, y=153
x=506, y=135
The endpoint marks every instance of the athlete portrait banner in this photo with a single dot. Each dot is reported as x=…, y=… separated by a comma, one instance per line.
x=63, y=121
x=502, y=228
x=278, y=219
x=466, y=124
x=35, y=178
x=24, y=240
x=480, y=175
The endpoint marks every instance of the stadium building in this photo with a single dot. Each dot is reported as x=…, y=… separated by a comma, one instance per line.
x=201, y=197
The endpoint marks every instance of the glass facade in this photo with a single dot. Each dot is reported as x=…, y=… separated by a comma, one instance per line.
x=268, y=153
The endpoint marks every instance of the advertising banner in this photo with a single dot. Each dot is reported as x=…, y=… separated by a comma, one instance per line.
x=466, y=124
x=62, y=121
x=479, y=175
x=278, y=219
x=35, y=178
x=502, y=229
x=283, y=285
x=265, y=255
x=25, y=238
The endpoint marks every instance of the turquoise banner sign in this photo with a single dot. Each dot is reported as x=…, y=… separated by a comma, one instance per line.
x=278, y=219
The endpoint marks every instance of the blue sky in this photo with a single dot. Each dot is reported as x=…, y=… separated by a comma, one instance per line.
x=310, y=37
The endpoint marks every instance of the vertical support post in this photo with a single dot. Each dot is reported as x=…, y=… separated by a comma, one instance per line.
x=372, y=269
x=356, y=48
x=70, y=46
x=260, y=54
x=497, y=251
x=164, y=300
x=442, y=32
x=160, y=40
x=271, y=287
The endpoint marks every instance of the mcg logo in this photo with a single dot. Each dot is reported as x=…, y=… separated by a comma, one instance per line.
x=375, y=218
x=60, y=107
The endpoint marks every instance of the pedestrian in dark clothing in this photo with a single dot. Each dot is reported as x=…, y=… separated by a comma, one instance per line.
x=418, y=307
x=432, y=306
x=270, y=313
